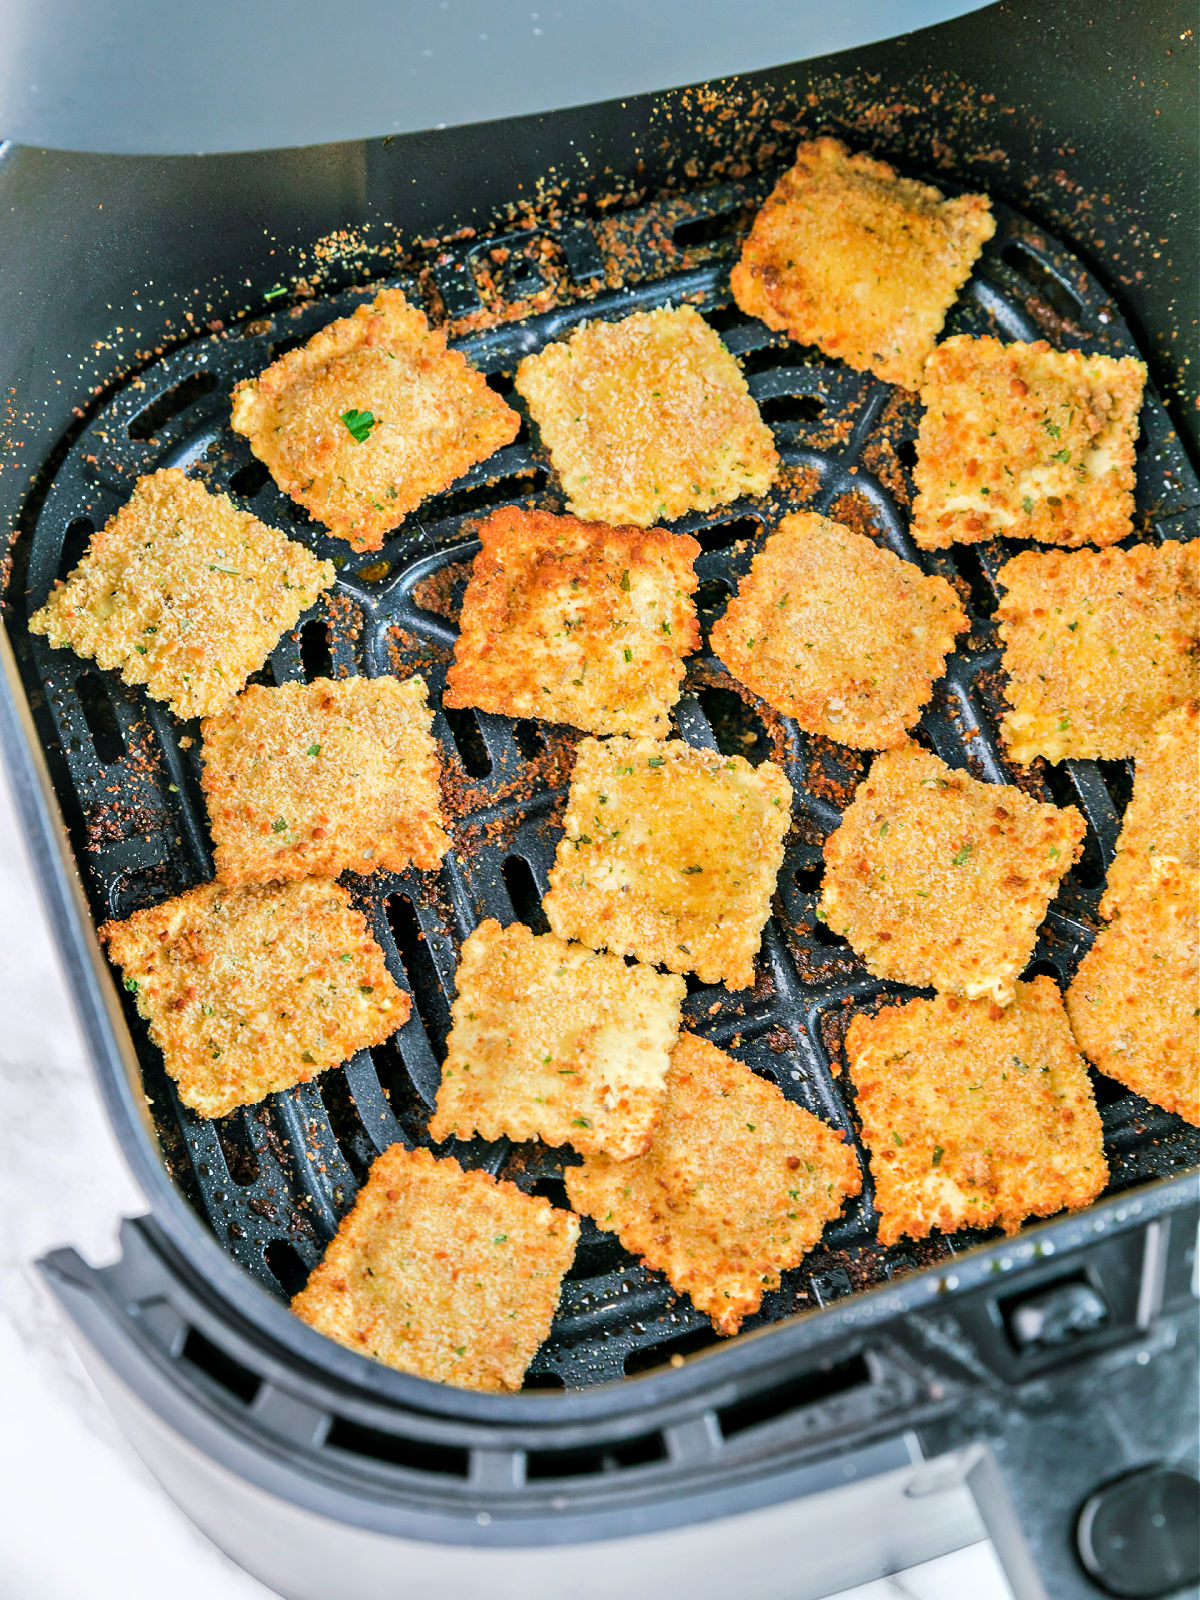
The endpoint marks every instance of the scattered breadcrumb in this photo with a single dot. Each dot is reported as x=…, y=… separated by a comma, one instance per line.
x=1025, y=441
x=447, y=1274
x=1133, y=1004
x=975, y=1116
x=249, y=991
x=735, y=1189
x=370, y=417
x=1160, y=822
x=309, y=779
x=576, y=622
x=842, y=635
x=647, y=418
x=182, y=592
x=551, y=1041
x=1098, y=644
x=941, y=881
x=670, y=854
x=847, y=255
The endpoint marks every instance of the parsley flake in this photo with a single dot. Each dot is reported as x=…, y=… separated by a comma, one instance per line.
x=359, y=424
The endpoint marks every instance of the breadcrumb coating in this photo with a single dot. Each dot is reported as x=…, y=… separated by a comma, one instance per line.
x=447, y=1274
x=647, y=418
x=370, y=417
x=838, y=633
x=975, y=1116
x=1161, y=820
x=847, y=255
x=941, y=881
x=182, y=592
x=736, y=1188
x=576, y=622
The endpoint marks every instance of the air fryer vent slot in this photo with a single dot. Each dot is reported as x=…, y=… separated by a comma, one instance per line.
x=397, y=1450
x=825, y=1383
x=643, y=1451
x=220, y=1368
x=172, y=404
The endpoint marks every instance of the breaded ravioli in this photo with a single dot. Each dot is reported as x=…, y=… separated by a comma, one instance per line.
x=552, y=1041
x=941, y=881
x=309, y=779
x=1133, y=1004
x=647, y=418
x=1025, y=441
x=182, y=592
x=847, y=255
x=249, y=991
x=370, y=417
x=975, y=1116
x=1098, y=644
x=1161, y=820
x=842, y=635
x=735, y=1189
x=447, y=1274
x=576, y=622
x=670, y=854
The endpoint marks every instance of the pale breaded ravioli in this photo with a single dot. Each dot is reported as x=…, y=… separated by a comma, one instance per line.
x=975, y=1116
x=1025, y=441
x=1133, y=1004
x=670, y=854
x=647, y=418
x=309, y=779
x=182, y=592
x=552, y=1041
x=842, y=635
x=576, y=622
x=941, y=881
x=735, y=1189
x=249, y=991
x=370, y=417
x=1098, y=645
x=447, y=1274
x=847, y=255
x=1161, y=820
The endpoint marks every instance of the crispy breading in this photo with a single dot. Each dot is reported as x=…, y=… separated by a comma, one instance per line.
x=842, y=635
x=941, y=881
x=421, y=415
x=670, y=854
x=735, y=1189
x=1098, y=644
x=184, y=593
x=647, y=418
x=576, y=622
x=1161, y=820
x=975, y=1116
x=552, y=1041
x=1025, y=441
x=309, y=779
x=447, y=1274
x=1133, y=1003
x=846, y=255
x=249, y=991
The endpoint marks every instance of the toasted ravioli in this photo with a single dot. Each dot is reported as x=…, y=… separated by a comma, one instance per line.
x=182, y=592
x=941, y=881
x=1098, y=644
x=647, y=418
x=551, y=1041
x=309, y=779
x=842, y=635
x=576, y=622
x=370, y=417
x=670, y=855
x=848, y=256
x=447, y=1274
x=1161, y=820
x=1025, y=441
x=248, y=991
x=975, y=1116
x=735, y=1189
x=1133, y=1004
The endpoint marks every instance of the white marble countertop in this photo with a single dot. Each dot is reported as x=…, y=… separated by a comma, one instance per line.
x=82, y=1516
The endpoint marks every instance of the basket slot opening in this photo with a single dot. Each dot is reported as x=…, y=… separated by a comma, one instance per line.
x=543, y=1380
x=285, y=1266
x=1118, y=780
x=640, y=1452
x=1041, y=969
x=107, y=739
x=1089, y=870
x=792, y=408
x=523, y=892
x=418, y=964
x=418, y=1455
x=721, y=535
x=178, y=398
x=808, y=878
x=409, y=1110
x=737, y=729
x=220, y=1367
x=1044, y=283
x=74, y=545
x=821, y=933
x=825, y=1383
x=970, y=567
x=472, y=751
x=282, y=346
x=906, y=453
x=249, y=479
x=316, y=653
x=717, y=227
x=658, y=1355
x=237, y=1148
x=726, y=318
x=346, y=1123
x=1107, y=1090
x=486, y=496
x=554, y=1190
x=529, y=739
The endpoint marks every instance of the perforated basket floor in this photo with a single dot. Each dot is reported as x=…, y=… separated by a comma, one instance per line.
x=273, y=1181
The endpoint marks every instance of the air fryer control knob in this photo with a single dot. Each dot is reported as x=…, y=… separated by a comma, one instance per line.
x=1140, y=1535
